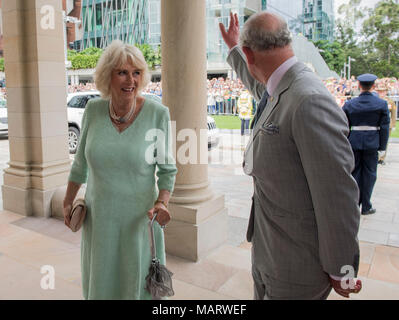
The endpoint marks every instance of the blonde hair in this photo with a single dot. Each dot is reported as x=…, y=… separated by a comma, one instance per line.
x=113, y=57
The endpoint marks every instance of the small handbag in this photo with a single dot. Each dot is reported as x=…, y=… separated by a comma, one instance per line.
x=77, y=215
x=159, y=278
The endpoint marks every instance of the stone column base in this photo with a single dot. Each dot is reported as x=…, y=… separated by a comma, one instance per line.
x=58, y=199
x=27, y=202
x=196, y=229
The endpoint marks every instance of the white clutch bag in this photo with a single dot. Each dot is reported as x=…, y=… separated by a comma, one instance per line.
x=78, y=214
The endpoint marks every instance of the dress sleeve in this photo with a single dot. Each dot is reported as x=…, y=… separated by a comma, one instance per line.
x=79, y=171
x=165, y=162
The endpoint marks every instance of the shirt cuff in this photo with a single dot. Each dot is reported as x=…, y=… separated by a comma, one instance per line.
x=237, y=45
x=335, y=277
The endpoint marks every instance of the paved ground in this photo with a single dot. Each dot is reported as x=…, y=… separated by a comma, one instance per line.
x=28, y=245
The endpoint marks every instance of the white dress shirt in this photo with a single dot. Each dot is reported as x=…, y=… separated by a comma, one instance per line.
x=278, y=74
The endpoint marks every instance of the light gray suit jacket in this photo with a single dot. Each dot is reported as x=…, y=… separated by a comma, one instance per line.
x=305, y=216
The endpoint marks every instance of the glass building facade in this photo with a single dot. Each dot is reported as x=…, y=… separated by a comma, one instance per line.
x=154, y=13
x=139, y=21
x=219, y=11
x=318, y=19
x=107, y=20
x=290, y=10
x=264, y=4
x=216, y=11
x=312, y=18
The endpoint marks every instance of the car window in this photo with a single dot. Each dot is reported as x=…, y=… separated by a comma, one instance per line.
x=92, y=96
x=78, y=102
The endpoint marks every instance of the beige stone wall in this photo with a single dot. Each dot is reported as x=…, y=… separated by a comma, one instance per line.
x=36, y=102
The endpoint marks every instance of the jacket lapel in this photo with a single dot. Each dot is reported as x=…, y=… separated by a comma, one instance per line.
x=272, y=104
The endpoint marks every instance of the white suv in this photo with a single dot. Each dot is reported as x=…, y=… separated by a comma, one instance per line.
x=76, y=103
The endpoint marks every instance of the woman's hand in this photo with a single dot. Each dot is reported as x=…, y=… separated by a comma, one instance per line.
x=71, y=192
x=67, y=207
x=163, y=216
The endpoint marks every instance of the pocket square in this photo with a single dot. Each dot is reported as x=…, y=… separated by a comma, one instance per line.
x=270, y=128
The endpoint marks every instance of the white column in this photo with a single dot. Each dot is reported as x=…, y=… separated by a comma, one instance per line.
x=199, y=222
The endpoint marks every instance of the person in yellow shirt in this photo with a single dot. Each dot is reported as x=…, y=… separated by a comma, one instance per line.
x=244, y=105
x=227, y=99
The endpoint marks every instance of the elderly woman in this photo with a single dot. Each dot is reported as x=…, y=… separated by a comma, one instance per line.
x=118, y=162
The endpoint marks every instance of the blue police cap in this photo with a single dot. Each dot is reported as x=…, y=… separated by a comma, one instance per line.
x=367, y=77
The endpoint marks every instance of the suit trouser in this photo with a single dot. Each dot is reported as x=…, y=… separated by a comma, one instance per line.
x=267, y=289
x=365, y=174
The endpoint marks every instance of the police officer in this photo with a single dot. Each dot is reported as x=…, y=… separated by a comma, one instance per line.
x=368, y=118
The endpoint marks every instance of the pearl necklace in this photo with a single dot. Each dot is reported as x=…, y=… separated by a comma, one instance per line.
x=126, y=117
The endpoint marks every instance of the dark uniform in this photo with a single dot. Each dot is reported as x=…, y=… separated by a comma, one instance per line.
x=369, y=120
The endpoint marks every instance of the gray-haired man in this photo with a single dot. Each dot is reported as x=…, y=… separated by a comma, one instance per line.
x=304, y=218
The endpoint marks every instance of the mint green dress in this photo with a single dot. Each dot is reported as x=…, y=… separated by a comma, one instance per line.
x=120, y=170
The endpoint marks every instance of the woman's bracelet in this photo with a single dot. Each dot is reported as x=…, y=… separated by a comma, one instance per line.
x=163, y=202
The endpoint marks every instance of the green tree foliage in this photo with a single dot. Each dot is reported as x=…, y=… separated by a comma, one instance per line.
x=381, y=31
x=2, y=64
x=88, y=58
x=348, y=37
x=374, y=43
x=92, y=51
x=71, y=54
x=151, y=56
x=346, y=26
x=332, y=53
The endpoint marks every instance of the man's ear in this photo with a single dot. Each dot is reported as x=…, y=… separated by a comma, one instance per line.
x=249, y=54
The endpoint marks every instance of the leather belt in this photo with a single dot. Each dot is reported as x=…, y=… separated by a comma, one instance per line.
x=364, y=128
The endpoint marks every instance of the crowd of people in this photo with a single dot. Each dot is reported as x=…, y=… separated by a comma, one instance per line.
x=343, y=89
x=81, y=87
x=224, y=94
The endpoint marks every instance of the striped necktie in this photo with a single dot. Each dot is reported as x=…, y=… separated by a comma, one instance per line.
x=261, y=107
